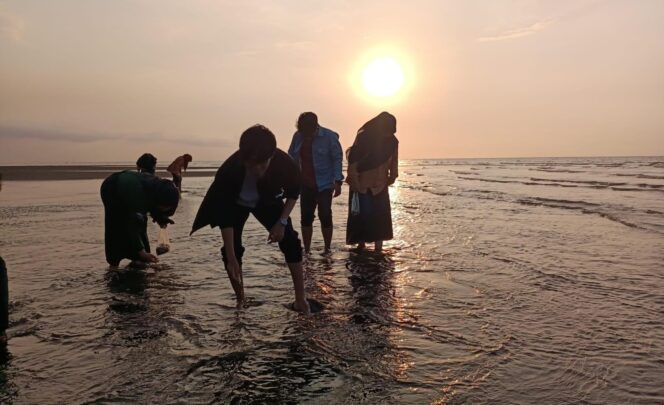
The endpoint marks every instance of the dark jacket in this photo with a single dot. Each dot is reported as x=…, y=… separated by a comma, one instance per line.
x=281, y=180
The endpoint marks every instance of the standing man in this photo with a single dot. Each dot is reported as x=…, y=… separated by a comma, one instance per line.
x=255, y=180
x=318, y=153
x=175, y=168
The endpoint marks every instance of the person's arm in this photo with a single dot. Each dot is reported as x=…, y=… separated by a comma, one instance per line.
x=292, y=149
x=337, y=161
x=233, y=268
x=353, y=178
x=394, y=168
x=277, y=231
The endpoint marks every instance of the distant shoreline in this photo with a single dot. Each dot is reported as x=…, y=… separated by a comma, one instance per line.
x=83, y=172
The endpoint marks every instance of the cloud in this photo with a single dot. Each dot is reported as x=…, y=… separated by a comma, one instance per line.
x=11, y=26
x=519, y=32
x=9, y=132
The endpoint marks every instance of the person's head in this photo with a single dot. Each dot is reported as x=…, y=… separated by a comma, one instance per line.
x=146, y=163
x=257, y=146
x=307, y=124
x=386, y=123
x=187, y=157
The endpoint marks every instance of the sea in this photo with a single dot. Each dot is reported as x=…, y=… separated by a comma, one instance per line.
x=508, y=281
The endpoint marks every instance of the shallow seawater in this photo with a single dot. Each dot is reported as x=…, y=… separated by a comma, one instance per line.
x=508, y=281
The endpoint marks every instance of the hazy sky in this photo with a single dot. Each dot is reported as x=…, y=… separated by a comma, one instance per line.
x=99, y=80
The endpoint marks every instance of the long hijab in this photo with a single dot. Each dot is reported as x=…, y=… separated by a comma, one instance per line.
x=375, y=142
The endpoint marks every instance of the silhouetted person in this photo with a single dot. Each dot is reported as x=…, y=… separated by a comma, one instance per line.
x=255, y=180
x=372, y=166
x=147, y=163
x=128, y=197
x=318, y=153
x=4, y=302
x=179, y=164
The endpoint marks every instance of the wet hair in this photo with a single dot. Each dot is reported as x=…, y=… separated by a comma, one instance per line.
x=147, y=163
x=257, y=144
x=307, y=122
x=187, y=157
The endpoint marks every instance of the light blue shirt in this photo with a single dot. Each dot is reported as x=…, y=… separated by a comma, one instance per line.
x=327, y=156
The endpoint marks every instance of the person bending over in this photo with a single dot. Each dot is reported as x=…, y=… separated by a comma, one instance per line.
x=128, y=197
x=175, y=169
x=255, y=180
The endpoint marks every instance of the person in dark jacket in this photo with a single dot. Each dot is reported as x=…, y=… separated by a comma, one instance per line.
x=128, y=197
x=255, y=180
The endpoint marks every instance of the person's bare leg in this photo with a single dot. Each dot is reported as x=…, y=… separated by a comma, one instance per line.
x=378, y=246
x=307, y=233
x=327, y=237
x=297, y=274
x=235, y=278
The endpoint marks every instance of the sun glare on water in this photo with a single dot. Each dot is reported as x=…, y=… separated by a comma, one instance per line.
x=383, y=77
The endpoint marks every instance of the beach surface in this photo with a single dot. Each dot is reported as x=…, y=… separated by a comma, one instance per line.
x=508, y=281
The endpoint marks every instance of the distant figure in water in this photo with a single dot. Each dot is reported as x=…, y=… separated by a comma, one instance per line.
x=147, y=163
x=128, y=197
x=318, y=153
x=4, y=303
x=372, y=166
x=255, y=180
x=179, y=164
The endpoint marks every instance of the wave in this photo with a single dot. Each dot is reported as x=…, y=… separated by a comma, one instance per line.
x=591, y=182
x=591, y=209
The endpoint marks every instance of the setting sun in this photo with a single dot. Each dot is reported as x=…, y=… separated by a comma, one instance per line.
x=383, y=77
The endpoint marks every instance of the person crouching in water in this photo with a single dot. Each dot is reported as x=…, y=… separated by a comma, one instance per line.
x=255, y=180
x=128, y=198
x=373, y=165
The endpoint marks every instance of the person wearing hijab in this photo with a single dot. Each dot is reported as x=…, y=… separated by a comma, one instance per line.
x=179, y=164
x=128, y=198
x=147, y=163
x=372, y=166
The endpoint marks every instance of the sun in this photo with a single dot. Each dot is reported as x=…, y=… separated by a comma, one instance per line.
x=383, y=77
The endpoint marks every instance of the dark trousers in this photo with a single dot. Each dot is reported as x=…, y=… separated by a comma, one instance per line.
x=309, y=200
x=177, y=180
x=268, y=216
x=116, y=233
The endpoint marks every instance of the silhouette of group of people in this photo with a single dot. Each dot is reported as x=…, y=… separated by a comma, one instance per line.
x=262, y=180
